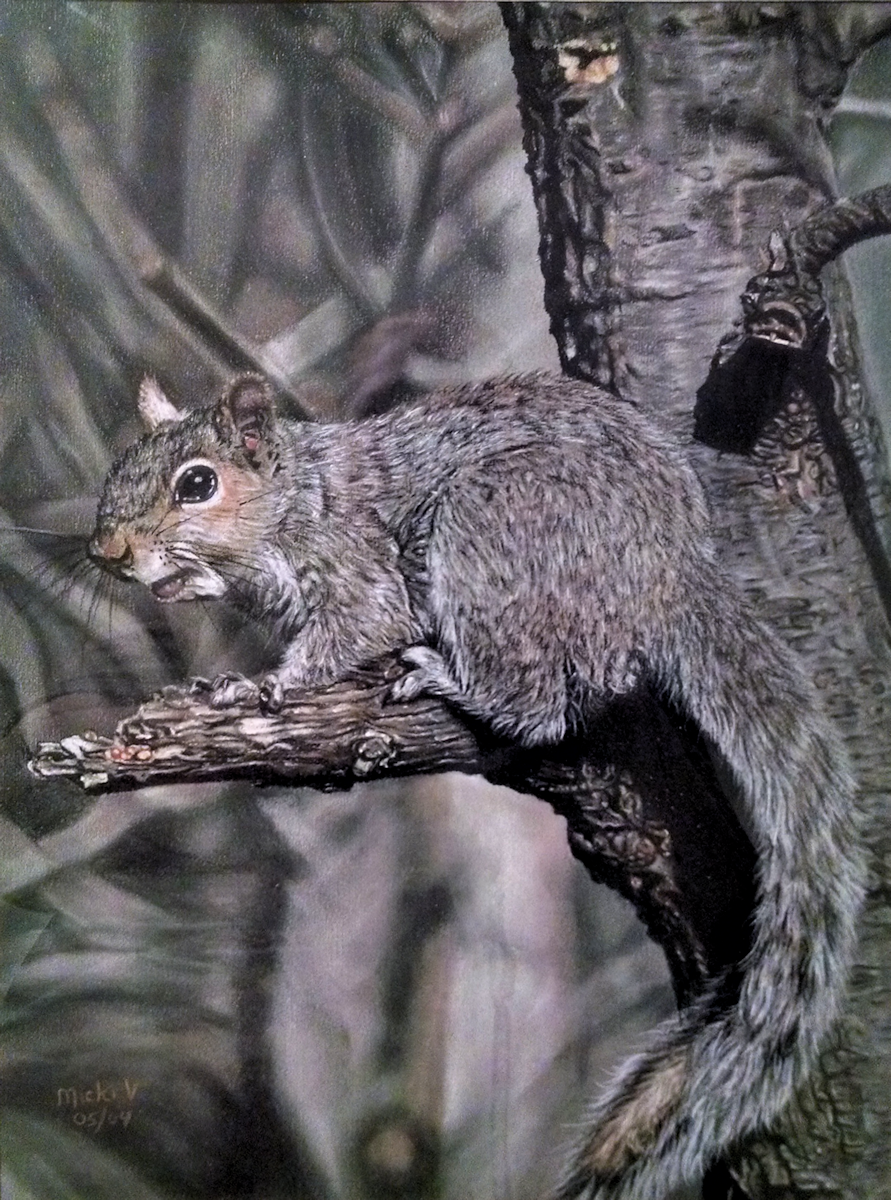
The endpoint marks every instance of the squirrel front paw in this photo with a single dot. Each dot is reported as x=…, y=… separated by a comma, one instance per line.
x=230, y=689
x=429, y=675
x=269, y=694
x=272, y=692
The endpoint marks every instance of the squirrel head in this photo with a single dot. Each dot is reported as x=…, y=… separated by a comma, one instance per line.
x=192, y=495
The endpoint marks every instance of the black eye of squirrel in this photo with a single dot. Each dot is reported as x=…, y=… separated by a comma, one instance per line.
x=195, y=485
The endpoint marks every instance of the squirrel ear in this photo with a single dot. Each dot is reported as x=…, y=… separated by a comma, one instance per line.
x=153, y=405
x=247, y=408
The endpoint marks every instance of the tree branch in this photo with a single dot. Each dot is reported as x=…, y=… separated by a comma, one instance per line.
x=619, y=791
x=330, y=739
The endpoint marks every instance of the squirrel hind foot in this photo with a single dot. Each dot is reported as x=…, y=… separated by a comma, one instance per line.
x=428, y=676
x=531, y=724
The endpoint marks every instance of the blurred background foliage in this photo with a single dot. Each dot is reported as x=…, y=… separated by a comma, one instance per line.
x=406, y=991
x=860, y=137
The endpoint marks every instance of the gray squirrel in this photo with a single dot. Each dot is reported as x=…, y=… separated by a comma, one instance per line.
x=533, y=547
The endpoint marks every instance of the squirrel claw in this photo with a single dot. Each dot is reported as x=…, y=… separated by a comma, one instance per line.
x=428, y=677
x=407, y=687
x=272, y=694
x=230, y=689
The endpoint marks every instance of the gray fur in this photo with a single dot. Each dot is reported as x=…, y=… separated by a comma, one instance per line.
x=536, y=547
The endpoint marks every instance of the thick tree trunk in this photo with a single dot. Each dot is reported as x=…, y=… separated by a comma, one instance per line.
x=666, y=143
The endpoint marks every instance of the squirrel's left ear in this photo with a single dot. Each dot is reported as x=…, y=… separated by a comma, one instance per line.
x=246, y=413
x=153, y=406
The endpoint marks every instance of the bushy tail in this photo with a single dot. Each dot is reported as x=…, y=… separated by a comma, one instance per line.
x=714, y=1074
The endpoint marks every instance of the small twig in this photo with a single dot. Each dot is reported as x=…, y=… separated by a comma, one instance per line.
x=828, y=233
x=783, y=310
x=855, y=106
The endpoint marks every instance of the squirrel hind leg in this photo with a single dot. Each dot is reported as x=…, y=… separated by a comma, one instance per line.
x=507, y=712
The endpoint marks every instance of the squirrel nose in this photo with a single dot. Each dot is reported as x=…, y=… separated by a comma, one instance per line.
x=111, y=550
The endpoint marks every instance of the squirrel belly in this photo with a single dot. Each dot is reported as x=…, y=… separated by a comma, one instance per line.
x=534, y=547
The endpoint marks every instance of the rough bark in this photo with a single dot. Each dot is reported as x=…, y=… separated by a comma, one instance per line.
x=666, y=144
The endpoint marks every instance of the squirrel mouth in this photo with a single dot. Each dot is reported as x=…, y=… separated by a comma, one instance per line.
x=172, y=586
